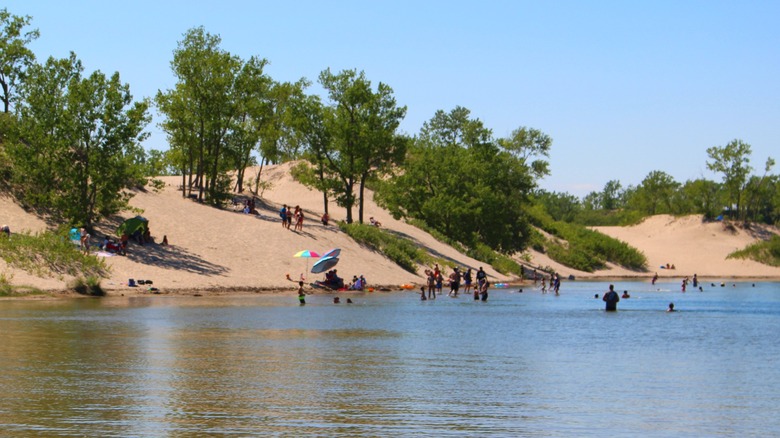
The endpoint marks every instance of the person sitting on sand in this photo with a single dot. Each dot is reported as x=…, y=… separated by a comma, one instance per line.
x=324, y=219
x=5, y=229
x=374, y=222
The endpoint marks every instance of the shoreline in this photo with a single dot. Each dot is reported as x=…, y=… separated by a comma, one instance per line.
x=242, y=291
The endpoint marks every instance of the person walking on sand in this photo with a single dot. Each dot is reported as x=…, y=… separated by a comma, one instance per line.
x=283, y=215
x=611, y=298
x=299, y=221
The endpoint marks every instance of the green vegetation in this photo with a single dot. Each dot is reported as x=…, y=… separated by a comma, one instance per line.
x=583, y=249
x=89, y=285
x=500, y=262
x=9, y=290
x=49, y=254
x=400, y=250
x=466, y=184
x=766, y=252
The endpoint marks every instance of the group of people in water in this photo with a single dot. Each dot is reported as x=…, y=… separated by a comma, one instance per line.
x=435, y=283
x=458, y=277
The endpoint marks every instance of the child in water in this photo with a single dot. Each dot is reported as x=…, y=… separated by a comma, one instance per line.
x=301, y=293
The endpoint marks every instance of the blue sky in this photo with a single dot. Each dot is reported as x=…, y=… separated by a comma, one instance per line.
x=622, y=87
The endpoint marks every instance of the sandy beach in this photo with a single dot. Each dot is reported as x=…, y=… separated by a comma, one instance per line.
x=226, y=251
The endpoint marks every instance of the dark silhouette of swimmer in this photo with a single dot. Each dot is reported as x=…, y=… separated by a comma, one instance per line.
x=349, y=301
x=625, y=294
x=611, y=298
x=671, y=307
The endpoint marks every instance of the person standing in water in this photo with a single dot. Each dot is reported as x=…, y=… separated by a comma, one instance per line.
x=484, y=291
x=611, y=298
x=301, y=293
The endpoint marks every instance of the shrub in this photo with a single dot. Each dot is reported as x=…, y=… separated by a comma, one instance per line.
x=766, y=252
x=397, y=249
x=89, y=285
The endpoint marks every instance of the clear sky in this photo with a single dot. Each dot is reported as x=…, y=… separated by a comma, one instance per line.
x=622, y=87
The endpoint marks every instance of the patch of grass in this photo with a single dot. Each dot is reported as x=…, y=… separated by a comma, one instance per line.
x=399, y=250
x=500, y=262
x=49, y=254
x=9, y=290
x=585, y=250
x=766, y=252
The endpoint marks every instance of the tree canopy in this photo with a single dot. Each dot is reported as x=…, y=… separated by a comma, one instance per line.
x=460, y=181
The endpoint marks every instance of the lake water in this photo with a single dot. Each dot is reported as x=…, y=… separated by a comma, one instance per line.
x=521, y=364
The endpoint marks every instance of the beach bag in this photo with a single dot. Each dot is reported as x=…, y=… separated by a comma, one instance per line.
x=131, y=282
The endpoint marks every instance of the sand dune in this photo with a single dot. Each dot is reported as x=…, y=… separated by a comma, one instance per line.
x=228, y=250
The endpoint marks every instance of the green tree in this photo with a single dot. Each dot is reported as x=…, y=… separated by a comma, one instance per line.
x=362, y=129
x=203, y=104
x=460, y=182
x=15, y=56
x=158, y=163
x=733, y=161
x=78, y=144
x=758, y=196
x=655, y=194
x=310, y=123
x=530, y=145
x=700, y=196
x=612, y=195
x=560, y=206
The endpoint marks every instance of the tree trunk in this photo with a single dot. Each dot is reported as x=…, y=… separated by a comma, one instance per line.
x=360, y=201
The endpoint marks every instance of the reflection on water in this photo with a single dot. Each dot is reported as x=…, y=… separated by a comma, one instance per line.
x=389, y=365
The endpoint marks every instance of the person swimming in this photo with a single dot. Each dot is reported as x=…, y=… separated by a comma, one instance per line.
x=671, y=307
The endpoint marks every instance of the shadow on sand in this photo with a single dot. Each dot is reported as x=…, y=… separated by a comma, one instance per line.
x=173, y=257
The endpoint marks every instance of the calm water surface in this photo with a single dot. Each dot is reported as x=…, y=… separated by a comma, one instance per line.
x=522, y=364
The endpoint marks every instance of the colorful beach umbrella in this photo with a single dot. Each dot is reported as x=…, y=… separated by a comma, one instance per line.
x=307, y=254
